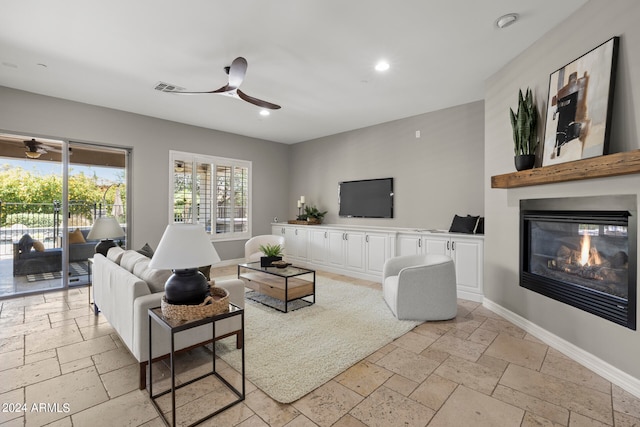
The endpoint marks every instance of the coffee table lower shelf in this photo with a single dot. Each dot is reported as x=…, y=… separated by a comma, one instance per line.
x=285, y=289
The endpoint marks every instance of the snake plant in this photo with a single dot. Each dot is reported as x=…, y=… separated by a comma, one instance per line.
x=524, y=125
x=270, y=250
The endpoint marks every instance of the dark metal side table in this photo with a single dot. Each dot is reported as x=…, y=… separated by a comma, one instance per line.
x=176, y=326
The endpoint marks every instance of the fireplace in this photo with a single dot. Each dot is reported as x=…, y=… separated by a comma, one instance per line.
x=582, y=251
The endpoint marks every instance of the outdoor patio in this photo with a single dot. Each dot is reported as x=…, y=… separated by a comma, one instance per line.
x=10, y=285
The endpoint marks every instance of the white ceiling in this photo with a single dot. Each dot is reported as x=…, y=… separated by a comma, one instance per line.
x=315, y=58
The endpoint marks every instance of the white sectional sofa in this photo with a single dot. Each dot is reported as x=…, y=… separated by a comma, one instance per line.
x=124, y=288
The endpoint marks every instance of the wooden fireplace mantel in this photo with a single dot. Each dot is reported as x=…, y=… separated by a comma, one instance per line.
x=595, y=167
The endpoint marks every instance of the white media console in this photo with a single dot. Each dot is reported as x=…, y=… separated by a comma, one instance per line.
x=362, y=251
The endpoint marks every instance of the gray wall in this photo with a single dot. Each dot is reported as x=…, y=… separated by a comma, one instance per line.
x=592, y=25
x=435, y=176
x=151, y=139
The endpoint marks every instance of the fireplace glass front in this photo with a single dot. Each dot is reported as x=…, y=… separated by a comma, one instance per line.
x=583, y=257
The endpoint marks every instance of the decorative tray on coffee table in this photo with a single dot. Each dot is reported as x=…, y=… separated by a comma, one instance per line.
x=280, y=264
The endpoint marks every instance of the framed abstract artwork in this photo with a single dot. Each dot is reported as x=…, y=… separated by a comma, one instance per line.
x=578, y=115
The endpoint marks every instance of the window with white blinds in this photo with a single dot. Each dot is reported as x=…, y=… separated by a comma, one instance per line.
x=212, y=191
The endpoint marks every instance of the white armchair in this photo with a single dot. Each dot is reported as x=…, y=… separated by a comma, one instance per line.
x=420, y=287
x=252, y=246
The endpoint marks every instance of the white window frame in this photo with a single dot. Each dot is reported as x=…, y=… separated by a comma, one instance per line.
x=215, y=161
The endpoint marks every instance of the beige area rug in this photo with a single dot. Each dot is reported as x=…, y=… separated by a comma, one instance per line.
x=287, y=355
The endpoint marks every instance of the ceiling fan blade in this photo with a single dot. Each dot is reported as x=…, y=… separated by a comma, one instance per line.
x=256, y=101
x=47, y=148
x=237, y=71
x=223, y=89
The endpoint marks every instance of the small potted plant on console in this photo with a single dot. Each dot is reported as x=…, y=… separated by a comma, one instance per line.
x=271, y=253
x=314, y=216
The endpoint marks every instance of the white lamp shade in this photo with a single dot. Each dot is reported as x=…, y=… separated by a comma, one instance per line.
x=105, y=228
x=184, y=246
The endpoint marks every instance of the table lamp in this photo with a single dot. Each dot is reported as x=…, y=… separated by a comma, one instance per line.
x=105, y=229
x=183, y=248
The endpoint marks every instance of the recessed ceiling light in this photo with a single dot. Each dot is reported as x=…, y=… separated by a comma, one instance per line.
x=264, y=112
x=506, y=20
x=382, y=66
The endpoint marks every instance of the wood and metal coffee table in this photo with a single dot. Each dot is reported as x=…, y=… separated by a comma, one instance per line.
x=284, y=284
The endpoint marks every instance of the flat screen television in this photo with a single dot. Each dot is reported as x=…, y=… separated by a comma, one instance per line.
x=368, y=198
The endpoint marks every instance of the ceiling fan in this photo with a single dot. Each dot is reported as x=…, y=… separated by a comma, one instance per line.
x=35, y=149
x=236, y=72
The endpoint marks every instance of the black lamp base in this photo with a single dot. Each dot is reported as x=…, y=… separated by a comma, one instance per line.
x=186, y=287
x=104, y=246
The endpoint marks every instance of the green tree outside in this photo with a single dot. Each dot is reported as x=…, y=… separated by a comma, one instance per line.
x=23, y=192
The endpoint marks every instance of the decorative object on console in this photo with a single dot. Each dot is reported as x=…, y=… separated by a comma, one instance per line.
x=465, y=224
x=271, y=253
x=106, y=229
x=301, y=216
x=579, y=106
x=314, y=216
x=183, y=248
x=307, y=214
x=524, y=126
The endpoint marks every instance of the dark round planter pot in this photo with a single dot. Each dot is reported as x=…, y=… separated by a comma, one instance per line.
x=186, y=287
x=525, y=162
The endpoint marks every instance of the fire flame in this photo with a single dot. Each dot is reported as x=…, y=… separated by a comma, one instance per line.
x=588, y=255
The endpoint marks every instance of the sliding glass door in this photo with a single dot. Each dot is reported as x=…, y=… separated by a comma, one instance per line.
x=96, y=188
x=51, y=192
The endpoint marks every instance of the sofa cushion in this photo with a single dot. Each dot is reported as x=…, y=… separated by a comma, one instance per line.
x=25, y=244
x=115, y=254
x=130, y=258
x=76, y=237
x=154, y=278
x=38, y=246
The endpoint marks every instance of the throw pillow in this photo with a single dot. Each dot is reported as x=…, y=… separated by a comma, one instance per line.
x=146, y=250
x=76, y=237
x=462, y=224
x=25, y=244
x=38, y=246
x=206, y=270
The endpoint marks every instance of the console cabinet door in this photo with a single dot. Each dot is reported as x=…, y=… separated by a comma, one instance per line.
x=409, y=244
x=302, y=243
x=468, y=258
x=354, y=250
x=277, y=230
x=376, y=252
x=296, y=240
x=437, y=245
x=318, y=246
x=335, y=248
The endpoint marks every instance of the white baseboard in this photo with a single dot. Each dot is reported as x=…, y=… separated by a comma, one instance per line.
x=471, y=296
x=586, y=359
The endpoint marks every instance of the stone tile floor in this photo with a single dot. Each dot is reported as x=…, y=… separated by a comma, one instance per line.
x=475, y=370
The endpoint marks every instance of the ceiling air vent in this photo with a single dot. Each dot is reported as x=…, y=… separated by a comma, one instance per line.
x=167, y=87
